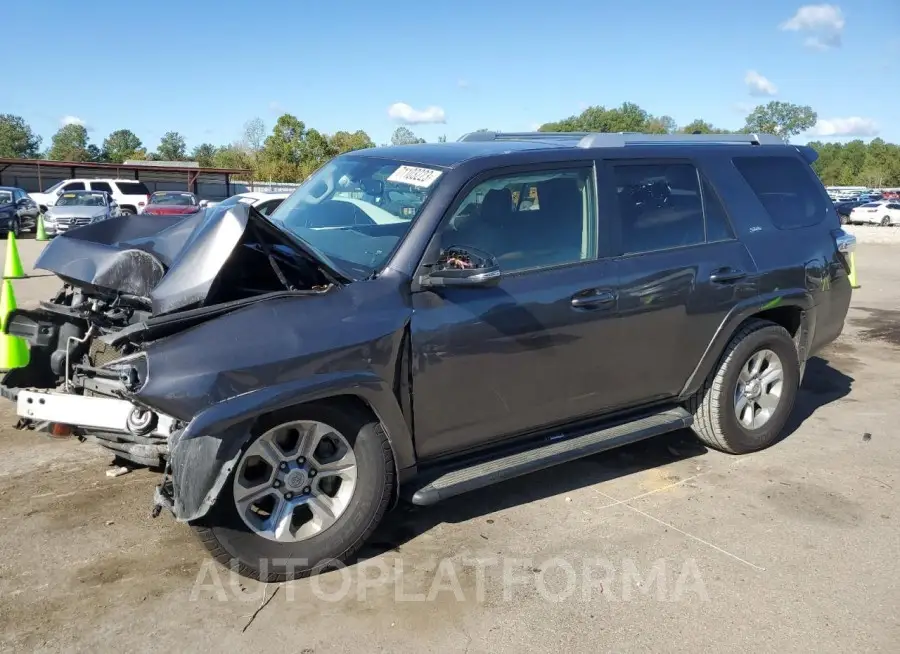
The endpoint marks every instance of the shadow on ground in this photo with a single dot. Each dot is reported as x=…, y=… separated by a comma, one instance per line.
x=822, y=384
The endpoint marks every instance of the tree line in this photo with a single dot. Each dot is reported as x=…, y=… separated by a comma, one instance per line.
x=291, y=150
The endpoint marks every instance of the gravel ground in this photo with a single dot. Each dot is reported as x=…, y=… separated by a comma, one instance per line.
x=875, y=235
x=662, y=546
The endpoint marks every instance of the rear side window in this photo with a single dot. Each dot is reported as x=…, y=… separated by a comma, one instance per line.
x=132, y=188
x=665, y=206
x=101, y=186
x=73, y=186
x=787, y=189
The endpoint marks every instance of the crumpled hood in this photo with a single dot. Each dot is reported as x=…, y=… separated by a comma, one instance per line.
x=170, y=261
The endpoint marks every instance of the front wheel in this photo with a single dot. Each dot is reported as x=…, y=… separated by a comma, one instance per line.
x=305, y=494
x=886, y=221
x=844, y=219
x=744, y=404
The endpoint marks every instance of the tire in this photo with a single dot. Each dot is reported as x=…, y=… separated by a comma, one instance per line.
x=886, y=221
x=716, y=420
x=844, y=219
x=235, y=545
x=13, y=228
x=126, y=212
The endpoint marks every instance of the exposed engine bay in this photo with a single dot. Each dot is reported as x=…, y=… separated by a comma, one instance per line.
x=130, y=282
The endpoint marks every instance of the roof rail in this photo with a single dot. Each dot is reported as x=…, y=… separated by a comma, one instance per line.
x=621, y=139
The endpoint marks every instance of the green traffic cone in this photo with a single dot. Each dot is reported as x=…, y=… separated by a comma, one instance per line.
x=41, y=234
x=14, y=352
x=13, y=268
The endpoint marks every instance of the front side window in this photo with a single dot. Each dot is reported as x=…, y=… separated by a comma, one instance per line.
x=355, y=210
x=528, y=220
x=74, y=186
x=133, y=188
x=660, y=207
x=5, y=196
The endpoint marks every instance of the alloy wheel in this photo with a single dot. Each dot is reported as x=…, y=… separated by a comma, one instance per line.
x=758, y=391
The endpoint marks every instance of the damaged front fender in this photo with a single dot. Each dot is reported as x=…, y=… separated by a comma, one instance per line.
x=203, y=455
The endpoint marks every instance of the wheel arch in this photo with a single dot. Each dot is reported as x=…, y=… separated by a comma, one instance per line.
x=792, y=309
x=202, y=456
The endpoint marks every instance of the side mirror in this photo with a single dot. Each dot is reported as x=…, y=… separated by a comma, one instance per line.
x=463, y=266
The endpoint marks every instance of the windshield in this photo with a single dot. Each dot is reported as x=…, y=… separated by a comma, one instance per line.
x=356, y=210
x=82, y=199
x=174, y=199
x=54, y=187
x=5, y=197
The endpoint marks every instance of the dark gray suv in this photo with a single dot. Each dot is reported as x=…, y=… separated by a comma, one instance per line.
x=425, y=320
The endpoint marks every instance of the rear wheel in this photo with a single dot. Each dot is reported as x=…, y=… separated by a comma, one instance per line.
x=746, y=401
x=305, y=494
x=13, y=228
x=126, y=211
x=844, y=219
x=886, y=221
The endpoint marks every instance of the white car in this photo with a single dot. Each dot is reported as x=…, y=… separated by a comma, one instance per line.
x=882, y=212
x=265, y=203
x=130, y=194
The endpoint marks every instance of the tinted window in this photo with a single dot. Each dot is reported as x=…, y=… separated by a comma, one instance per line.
x=529, y=220
x=101, y=186
x=132, y=188
x=786, y=188
x=718, y=226
x=74, y=186
x=268, y=207
x=660, y=206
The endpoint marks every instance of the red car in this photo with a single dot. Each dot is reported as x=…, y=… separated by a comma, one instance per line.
x=172, y=203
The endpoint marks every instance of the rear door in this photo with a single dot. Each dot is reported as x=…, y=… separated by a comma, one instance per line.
x=680, y=271
x=489, y=363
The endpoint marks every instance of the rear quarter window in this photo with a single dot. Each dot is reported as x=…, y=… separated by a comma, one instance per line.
x=132, y=188
x=787, y=188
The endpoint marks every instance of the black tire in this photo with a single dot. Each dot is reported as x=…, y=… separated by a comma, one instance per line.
x=235, y=546
x=13, y=228
x=886, y=221
x=844, y=219
x=126, y=212
x=715, y=420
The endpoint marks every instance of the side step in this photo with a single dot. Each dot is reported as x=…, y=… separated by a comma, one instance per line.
x=552, y=451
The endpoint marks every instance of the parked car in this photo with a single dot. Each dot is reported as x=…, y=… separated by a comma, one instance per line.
x=131, y=195
x=172, y=203
x=265, y=203
x=883, y=212
x=79, y=208
x=845, y=207
x=295, y=382
x=18, y=212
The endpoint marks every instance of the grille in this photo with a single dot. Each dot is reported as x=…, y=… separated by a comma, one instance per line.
x=67, y=223
x=101, y=353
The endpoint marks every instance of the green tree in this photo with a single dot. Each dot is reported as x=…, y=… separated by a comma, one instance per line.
x=346, y=142
x=17, y=141
x=70, y=143
x=781, y=118
x=230, y=156
x=404, y=136
x=702, y=127
x=205, y=155
x=442, y=138
x=121, y=145
x=171, y=147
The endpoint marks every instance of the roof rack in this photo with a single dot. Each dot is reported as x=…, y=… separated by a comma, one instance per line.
x=622, y=139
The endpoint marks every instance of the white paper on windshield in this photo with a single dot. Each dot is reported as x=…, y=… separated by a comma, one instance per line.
x=415, y=176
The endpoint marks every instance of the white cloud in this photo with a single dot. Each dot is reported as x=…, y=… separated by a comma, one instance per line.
x=403, y=113
x=73, y=120
x=824, y=24
x=852, y=126
x=759, y=85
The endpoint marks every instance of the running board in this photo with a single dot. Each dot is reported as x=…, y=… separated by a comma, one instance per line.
x=552, y=451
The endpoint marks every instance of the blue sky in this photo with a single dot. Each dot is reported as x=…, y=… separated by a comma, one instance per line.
x=203, y=68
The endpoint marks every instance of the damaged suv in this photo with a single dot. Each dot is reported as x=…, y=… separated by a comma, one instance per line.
x=425, y=320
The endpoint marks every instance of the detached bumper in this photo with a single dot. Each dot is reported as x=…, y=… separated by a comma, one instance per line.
x=90, y=414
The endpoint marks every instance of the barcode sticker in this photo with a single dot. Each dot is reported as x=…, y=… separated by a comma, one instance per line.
x=415, y=176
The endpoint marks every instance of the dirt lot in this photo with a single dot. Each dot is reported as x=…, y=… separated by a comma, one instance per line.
x=663, y=546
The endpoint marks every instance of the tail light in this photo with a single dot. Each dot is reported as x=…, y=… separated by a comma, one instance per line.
x=845, y=242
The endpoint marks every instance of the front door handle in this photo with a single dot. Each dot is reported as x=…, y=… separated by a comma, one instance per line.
x=593, y=298
x=726, y=276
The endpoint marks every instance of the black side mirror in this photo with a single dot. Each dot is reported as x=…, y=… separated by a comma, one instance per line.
x=463, y=266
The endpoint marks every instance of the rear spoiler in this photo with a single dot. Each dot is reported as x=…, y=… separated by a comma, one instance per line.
x=809, y=154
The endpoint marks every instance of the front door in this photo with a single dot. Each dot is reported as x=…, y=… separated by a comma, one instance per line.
x=680, y=271
x=490, y=363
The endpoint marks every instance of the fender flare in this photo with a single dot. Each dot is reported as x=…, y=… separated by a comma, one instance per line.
x=793, y=297
x=203, y=454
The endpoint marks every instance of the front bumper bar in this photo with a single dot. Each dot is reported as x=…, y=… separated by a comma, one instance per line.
x=92, y=414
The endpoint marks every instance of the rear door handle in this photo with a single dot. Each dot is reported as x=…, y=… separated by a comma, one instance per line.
x=726, y=276
x=593, y=298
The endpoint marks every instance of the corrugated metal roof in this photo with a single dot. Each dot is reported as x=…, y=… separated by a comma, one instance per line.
x=150, y=165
